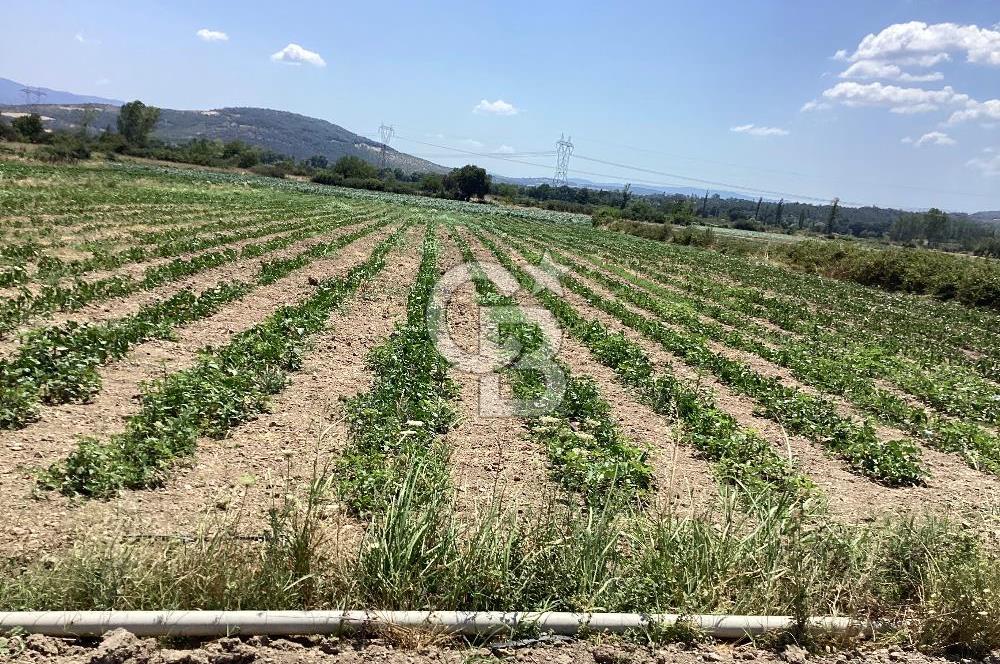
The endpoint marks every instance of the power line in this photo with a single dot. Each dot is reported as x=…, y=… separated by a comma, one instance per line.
x=761, y=169
x=602, y=175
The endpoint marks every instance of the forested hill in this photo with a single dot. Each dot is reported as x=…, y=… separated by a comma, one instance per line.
x=286, y=133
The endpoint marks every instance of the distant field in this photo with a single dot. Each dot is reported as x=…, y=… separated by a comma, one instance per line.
x=753, y=235
x=184, y=349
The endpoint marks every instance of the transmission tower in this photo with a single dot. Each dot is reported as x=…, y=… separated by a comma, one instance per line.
x=564, y=148
x=385, y=132
x=30, y=92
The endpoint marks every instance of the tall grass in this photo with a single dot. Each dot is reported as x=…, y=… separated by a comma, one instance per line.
x=927, y=578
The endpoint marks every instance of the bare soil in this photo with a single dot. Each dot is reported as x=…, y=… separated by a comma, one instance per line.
x=49, y=520
x=411, y=647
x=953, y=489
x=684, y=482
x=492, y=457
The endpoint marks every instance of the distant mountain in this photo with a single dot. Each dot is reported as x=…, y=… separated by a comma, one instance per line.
x=290, y=134
x=988, y=216
x=10, y=93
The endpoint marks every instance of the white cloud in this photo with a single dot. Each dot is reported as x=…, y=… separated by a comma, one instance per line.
x=924, y=60
x=934, y=138
x=473, y=143
x=79, y=37
x=505, y=149
x=921, y=78
x=987, y=166
x=102, y=81
x=814, y=105
x=980, y=45
x=840, y=55
x=212, y=35
x=977, y=110
x=498, y=107
x=869, y=69
x=898, y=99
x=906, y=139
x=293, y=54
x=82, y=39
x=755, y=130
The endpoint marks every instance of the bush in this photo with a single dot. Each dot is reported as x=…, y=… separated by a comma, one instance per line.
x=65, y=149
x=270, y=170
x=30, y=128
x=945, y=276
x=7, y=132
x=355, y=168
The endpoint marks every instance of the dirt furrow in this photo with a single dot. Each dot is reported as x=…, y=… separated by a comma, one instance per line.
x=684, y=482
x=953, y=488
x=243, y=269
x=492, y=457
x=21, y=452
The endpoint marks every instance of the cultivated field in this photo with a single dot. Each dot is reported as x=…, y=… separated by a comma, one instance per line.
x=222, y=392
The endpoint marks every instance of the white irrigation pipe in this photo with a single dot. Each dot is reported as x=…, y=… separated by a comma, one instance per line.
x=470, y=623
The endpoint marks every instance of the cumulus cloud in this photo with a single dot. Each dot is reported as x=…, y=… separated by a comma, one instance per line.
x=212, y=35
x=505, y=149
x=987, y=166
x=755, y=130
x=977, y=110
x=980, y=45
x=934, y=138
x=814, y=105
x=498, y=107
x=869, y=69
x=293, y=54
x=897, y=99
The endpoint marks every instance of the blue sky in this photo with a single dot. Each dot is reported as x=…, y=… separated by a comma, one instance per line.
x=708, y=91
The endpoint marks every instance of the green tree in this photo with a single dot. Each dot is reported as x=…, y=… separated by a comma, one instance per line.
x=136, y=120
x=468, y=181
x=29, y=127
x=7, y=132
x=831, y=221
x=355, y=167
x=432, y=183
x=318, y=161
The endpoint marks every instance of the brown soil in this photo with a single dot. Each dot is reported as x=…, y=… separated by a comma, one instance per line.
x=491, y=457
x=32, y=522
x=137, y=269
x=239, y=270
x=953, y=488
x=416, y=647
x=280, y=453
x=683, y=481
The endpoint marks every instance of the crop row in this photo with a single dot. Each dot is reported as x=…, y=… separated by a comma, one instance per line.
x=185, y=241
x=940, y=381
x=226, y=387
x=928, y=331
x=830, y=369
x=740, y=456
x=58, y=364
x=80, y=293
x=394, y=427
x=893, y=462
x=588, y=452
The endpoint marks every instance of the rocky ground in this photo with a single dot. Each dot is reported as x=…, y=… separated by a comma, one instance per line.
x=121, y=647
